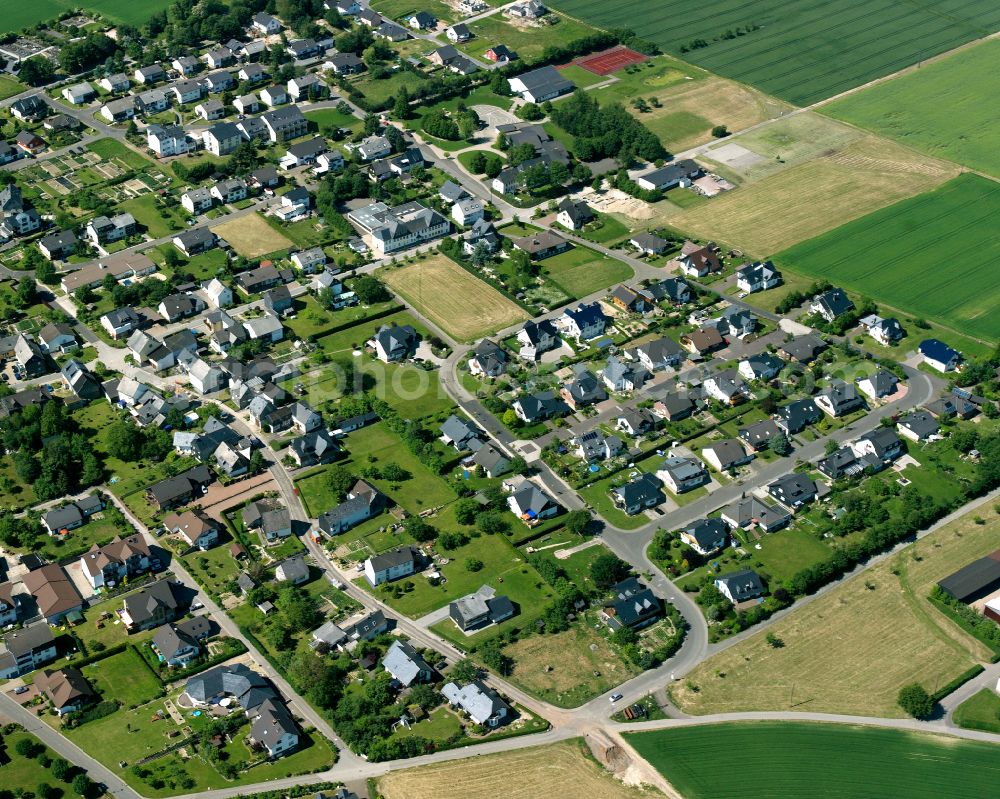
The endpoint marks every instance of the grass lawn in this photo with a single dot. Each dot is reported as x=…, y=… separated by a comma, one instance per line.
x=564, y=770
x=96, y=531
x=147, y=214
x=215, y=568
x=303, y=234
x=400, y=9
x=605, y=230
x=769, y=300
x=941, y=109
x=504, y=568
x=804, y=50
x=124, y=677
x=312, y=320
x=881, y=637
x=24, y=774
x=377, y=91
x=9, y=87
x=458, y=302
x=528, y=41
x=913, y=236
x=331, y=120
x=439, y=725
x=980, y=712
x=581, y=271
x=376, y=444
x=583, y=665
x=251, y=236
x=111, y=148
x=799, y=760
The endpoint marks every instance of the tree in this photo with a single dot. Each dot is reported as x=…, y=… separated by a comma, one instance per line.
x=477, y=162
x=82, y=784
x=339, y=481
x=608, y=569
x=577, y=521
x=27, y=292
x=298, y=608
x=61, y=769
x=510, y=418
x=464, y=671
x=401, y=106
x=780, y=445
x=44, y=791
x=519, y=465
x=720, y=131
x=28, y=748
x=36, y=71
x=395, y=473
x=492, y=523
x=124, y=441
x=84, y=295
x=46, y=273
x=473, y=564
x=466, y=511
x=915, y=701
x=370, y=290
x=530, y=112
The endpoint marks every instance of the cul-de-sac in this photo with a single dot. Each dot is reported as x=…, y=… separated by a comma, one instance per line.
x=440, y=399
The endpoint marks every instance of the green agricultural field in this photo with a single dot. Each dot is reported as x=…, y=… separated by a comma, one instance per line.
x=802, y=50
x=790, y=760
x=135, y=12
x=932, y=255
x=945, y=109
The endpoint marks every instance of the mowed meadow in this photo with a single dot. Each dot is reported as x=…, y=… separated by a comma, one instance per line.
x=802, y=51
x=934, y=255
x=795, y=760
x=947, y=109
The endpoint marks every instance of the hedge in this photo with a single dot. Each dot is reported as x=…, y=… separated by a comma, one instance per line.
x=957, y=683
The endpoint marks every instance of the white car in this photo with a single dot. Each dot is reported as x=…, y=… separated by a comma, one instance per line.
x=614, y=698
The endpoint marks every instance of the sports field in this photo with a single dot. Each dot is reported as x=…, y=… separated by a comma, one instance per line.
x=801, y=50
x=251, y=236
x=934, y=255
x=947, y=108
x=813, y=197
x=879, y=638
x=795, y=760
x=463, y=306
x=558, y=771
x=134, y=12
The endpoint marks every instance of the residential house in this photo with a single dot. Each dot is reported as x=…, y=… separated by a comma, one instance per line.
x=703, y=341
x=55, y=594
x=583, y=390
x=392, y=344
x=467, y=211
x=541, y=245
x=699, y=261
x=491, y=460
x=106, y=230
x=186, y=65
x=292, y=570
x=210, y=110
x=79, y=93
x=66, y=689
x=181, y=488
x=879, y=385
x=119, y=110
x=501, y=54
x=759, y=276
x=673, y=406
x=726, y=387
x=759, y=435
x=831, y=304
x=221, y=81
x=176, y=644
x=460, y=433
x=638, y=495
x=761, y=367
x=26, y=650
x=422, y=21
x=594, y=446
x=706, y=536
x=120, y=322
x=187, y=91
x=194, y=241
x=488, y=359
x=197, y=529
x=80, y=380
x=175, y=307
x=363, y=502
x=939, y=355
x=251, y=73
x=167, y=140
x=658, y=354
x=583, y=323
x=107, y=566
x=57, y=338
x=537, y=407
x=793, y=490
x=405, y=665
x=152, y=101
x=222, y=138
x=531, y=504
x=750, y=511
x=400, y=227
x=266, y=24
x=620, y=376
x=305, y=87
x=803, y=349
x=918, y=426
x=681, y=474
x=885, y=331
x=649, y=244
x=218, y=293
x=574, y=215
x=59, y=245
x=344, y=64
x=632, y=605
x=839, y=399
x=391, y=565
x=537, y=338
x=481, y=703
x=727, y=454
x=741, y=586
x=154, y=73
x=636, y=421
